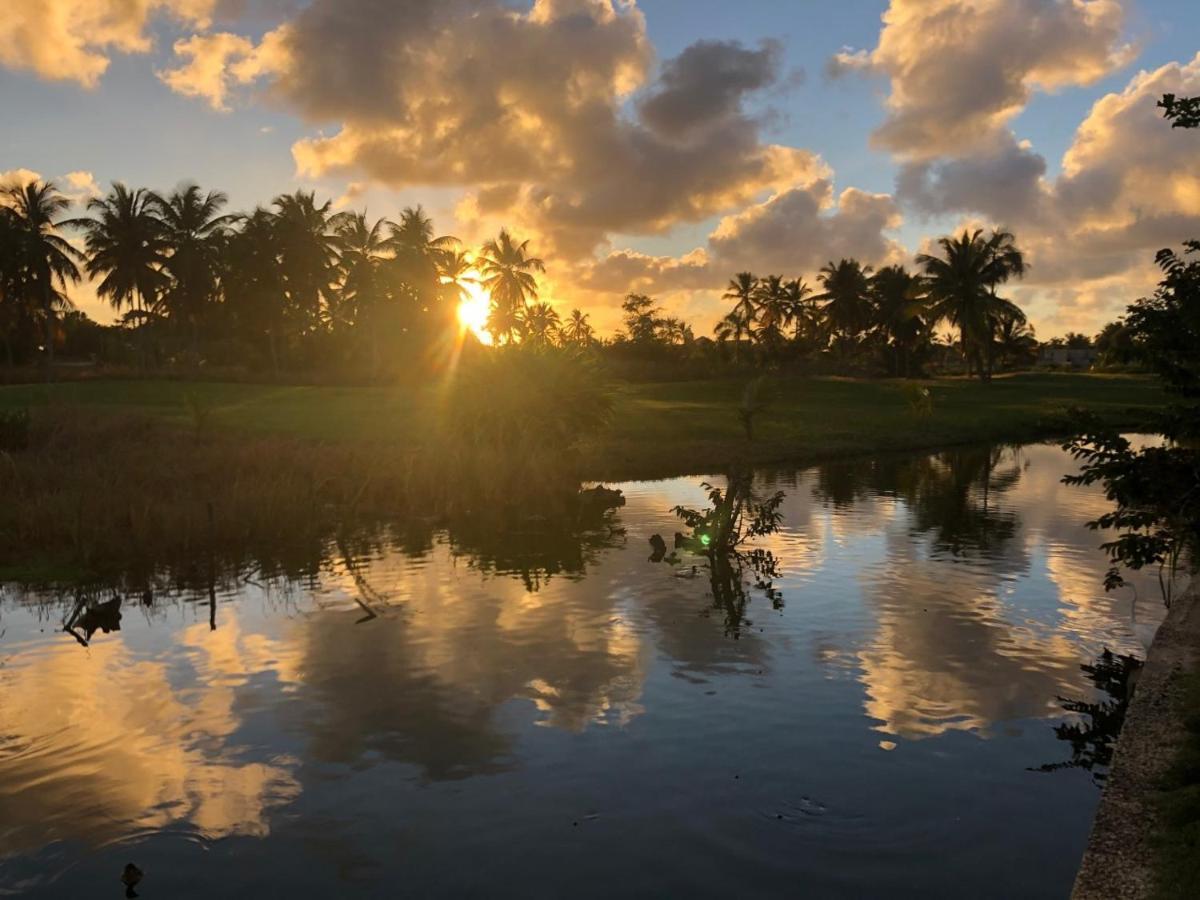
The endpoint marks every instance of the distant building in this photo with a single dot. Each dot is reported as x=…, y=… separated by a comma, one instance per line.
x=1072, y=357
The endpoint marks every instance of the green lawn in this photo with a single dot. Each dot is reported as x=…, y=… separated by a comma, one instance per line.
x=658, y=429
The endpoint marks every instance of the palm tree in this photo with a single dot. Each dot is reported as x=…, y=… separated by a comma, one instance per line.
x=774, y=312
x=1015, y=341
x=742, y=289
x=898, y=296
x=43, y=261
x=578, y=329
x=419, y=258
x=308, y=254
x=364, y=285
x=508, y=275
x=456, y=273
x=676, y=331
x=803, y=310
x=252, y=271
x=847, y=299
x=11, y=308
x=962, y=287
x=191, y=225
x=734, y=326
x=126, y=249
x=539, y=324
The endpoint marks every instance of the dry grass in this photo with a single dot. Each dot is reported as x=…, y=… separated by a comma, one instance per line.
x=97, y=493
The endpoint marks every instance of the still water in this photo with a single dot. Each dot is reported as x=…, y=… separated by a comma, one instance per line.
x=547, y=715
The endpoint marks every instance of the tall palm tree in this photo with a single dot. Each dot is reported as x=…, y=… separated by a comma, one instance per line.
x=803, y=310
x=742, y=289
x=126, y=249
x=456, y=273
x=418, y=256
x=734, y=326
x=539, y=324
x=192, y=225
x=508, y=274
x=44, y=262
x=847, y=299
x=362, y=255
x=364, y=291
x=962, y=287
x=252, y=271
x=578, y=330
x=774, y=312
x=308, y=254
x=11, y=307
x=897, y=297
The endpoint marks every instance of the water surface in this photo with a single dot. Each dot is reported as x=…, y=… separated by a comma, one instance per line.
x=527, y=714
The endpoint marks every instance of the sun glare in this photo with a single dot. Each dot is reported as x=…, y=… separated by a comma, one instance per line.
x=473, y=311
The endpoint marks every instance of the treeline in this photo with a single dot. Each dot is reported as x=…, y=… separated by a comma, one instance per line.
x=298, y=287
x=291, y=286
x=870, y=321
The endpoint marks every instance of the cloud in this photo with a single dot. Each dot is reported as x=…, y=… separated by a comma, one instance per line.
x=792, y=233
x=215, y=63
x=78, y=187
x=705, y=85
x=1003, y=182
x=960, y=70
x=552, y=110
x=18, y=177
x=72, y=40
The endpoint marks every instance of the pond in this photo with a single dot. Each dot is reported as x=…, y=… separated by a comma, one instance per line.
x=546, y=714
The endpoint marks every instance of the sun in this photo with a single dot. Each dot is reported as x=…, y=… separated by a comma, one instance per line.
x=473, y=311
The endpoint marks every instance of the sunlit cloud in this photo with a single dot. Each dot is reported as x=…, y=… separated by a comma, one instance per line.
x=72, y=40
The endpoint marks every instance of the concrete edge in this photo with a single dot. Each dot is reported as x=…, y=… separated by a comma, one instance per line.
x=1119, y=860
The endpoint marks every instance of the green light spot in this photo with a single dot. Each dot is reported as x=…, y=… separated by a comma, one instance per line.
x=705, y=540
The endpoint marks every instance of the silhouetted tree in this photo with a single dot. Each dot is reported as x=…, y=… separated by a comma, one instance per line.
x=508, y=275
x=847, y=298
x=962, y=288
x=191, y=225
x=578, y=329
x=43, y=262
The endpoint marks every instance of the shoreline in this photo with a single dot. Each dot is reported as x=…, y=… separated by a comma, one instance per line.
x=1122, y=856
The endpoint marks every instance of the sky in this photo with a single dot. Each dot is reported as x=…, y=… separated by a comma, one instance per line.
x=657, y=146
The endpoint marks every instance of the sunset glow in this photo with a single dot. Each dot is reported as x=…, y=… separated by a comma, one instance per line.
x=473, y=311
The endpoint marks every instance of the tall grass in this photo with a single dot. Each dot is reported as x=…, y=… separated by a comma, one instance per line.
x=100, y=492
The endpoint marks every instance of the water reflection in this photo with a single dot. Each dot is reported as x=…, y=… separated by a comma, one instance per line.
x=391, y=703
x=1093, y=734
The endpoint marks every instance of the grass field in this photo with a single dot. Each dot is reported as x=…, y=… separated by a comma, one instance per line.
x=658, y=429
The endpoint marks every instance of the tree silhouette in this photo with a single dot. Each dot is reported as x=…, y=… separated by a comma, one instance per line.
x=847, y=296
x=191, y=227
x=308, y=253
x=578, y=329
x=962, y=288
x=43, y=261
x=508, y=275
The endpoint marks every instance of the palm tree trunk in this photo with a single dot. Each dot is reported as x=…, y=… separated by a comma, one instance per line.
x=48, y=354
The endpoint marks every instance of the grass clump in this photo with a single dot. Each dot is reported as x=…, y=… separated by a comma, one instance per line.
x=1178, y=844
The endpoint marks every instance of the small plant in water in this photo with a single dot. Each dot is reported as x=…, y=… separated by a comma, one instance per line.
x=720, y=534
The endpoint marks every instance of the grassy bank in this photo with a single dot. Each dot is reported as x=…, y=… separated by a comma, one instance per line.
x=657, y=430
x=1178, y=843
x=121, y=474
